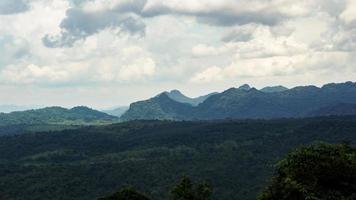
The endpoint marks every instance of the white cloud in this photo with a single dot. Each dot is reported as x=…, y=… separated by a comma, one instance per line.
x=184, y=43
x=349, y=14
x=140, y=69
x=202, y=50
x=277, y=66
x=133, y=64
x=33, y=74
x=211, y=74
x=253, y=41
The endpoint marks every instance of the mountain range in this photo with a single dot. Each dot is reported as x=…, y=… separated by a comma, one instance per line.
x=237, y=103
x=247, y=102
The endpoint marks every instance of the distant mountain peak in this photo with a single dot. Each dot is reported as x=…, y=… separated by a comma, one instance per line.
x=175, y=91
x=164, y=95
x=272, y=89
x=172, y=92
x=245, y=87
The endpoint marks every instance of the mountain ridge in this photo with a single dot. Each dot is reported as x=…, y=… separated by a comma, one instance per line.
x=248, y=102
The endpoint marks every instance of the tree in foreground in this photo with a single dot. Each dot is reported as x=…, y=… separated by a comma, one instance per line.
x=126, y=194
x=187, y=190
x=317, y=172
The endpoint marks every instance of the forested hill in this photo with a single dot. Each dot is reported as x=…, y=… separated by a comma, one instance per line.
x=246, y=102
x=236, y=156
x=55, y=115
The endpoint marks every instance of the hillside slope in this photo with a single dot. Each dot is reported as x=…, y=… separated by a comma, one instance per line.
x=159, y=107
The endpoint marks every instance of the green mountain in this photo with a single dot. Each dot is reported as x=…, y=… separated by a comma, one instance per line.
x=246, y=102
x=55, y=115
x=159, y=107
x=236, y=156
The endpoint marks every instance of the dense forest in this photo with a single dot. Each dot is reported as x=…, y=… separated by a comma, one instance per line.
x=237, y=157
x=319, y=171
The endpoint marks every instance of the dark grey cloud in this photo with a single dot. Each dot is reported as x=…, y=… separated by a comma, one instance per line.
x=127, y=16
x=133, y=6
x=218, y=17
x=79, y=24
x=78, y=3
x=240, y=12
x=232, y=19
x=8, y=7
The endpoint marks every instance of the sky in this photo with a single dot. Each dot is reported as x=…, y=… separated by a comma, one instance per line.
x=106, y=53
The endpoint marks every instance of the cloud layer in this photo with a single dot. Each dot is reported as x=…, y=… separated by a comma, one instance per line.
x=189, y=44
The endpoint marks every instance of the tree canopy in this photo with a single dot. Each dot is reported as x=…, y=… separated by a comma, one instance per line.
x=317, y=172
x=128, y=193
x=186, y=189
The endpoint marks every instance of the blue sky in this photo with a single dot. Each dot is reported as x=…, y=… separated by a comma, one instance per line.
x=104, y=53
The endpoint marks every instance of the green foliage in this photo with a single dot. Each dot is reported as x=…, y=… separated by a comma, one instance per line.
x=187, y=190
x=318, y=172
x=237, y=156
x=129, y=193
